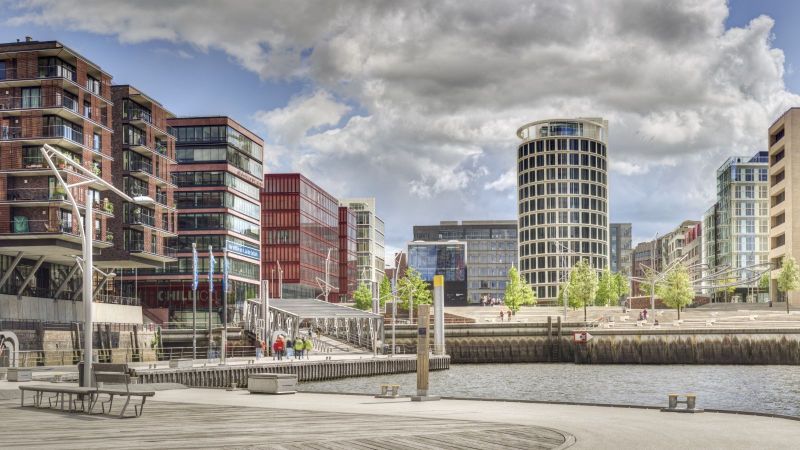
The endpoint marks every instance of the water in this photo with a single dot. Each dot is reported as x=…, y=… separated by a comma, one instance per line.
x=766, y=389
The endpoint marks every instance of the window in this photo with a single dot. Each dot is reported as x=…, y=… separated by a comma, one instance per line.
x=87, y=109
x=31, y=97
x=93, y=85
x=50, y=67
x=97, y=142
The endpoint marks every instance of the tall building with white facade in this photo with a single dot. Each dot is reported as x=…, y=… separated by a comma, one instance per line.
x=562, y=185
x=370, y=241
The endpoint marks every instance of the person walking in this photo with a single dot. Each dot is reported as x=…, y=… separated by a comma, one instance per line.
x=258, y=349
x=277, y=348
x=501, y=315
x=289, y=348
x=309, y=346
x=264, y=348
x=299, y=345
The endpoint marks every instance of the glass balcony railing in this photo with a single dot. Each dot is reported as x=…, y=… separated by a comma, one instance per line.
x=137, y=245
x=135, y=141
x=35, y=195
x=139, y=166
x=23, y=224
x=46, y=132
x=139, y=114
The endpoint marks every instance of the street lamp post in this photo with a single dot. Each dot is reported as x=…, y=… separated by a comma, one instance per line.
x=86, y=228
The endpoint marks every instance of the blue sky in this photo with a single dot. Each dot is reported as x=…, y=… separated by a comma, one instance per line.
x=417, y=103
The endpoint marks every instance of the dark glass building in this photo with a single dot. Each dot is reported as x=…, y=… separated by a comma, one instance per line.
x=491, y=249
x=448, y=259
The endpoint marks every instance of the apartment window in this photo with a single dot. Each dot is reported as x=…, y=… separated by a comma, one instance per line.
x=778, y=156
x=776, y=137
x=50, y=67
x=97, y=142
x=93, y=85
x=132, y=136
x=31, y=97
x=779, y=219
x=778, y=177
x=87, y=109
x=778, y=199
x=779, y=241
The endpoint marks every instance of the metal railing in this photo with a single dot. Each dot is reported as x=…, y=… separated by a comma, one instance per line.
x=140, y=166
x=118, y=300
x=139, y=114
x=56, y=100
x=138, y=246
x=134, y=218
x=36, y=226
x=47, y=131
x=34, y=194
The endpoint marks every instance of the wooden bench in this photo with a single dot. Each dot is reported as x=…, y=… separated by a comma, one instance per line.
x=117, y=383
x=690, y=400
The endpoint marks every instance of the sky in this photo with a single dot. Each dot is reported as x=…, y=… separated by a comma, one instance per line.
x=417, y=103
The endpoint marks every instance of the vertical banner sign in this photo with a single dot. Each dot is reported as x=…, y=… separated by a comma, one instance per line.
x=225, y=272
x=195, y=277
x=210, y=272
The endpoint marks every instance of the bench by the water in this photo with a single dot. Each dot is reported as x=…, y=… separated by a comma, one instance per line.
x=385, y=391
x=690, y=400
x=109, y=379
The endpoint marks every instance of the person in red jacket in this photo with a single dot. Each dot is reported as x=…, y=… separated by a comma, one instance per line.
x=277, y=348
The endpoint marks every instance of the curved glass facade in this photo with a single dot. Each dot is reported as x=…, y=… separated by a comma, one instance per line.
x=562, y=180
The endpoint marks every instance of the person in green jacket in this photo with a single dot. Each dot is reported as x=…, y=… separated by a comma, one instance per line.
x=299, y=345
x=308, y=347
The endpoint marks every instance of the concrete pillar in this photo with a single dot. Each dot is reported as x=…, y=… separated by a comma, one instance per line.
x=438, y=311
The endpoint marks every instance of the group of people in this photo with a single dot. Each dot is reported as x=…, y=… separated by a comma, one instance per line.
x=490, y=301
x=643, y=314
x=292, y=348
x=506, y=314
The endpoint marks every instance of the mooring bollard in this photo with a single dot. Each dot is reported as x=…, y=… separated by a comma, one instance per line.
x=690, y=400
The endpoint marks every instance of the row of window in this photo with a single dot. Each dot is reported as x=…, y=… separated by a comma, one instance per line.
x=563, y=232
x=217, y=134
x=562, y=173
x=571, y=203
x=216, y=199
x=553, y=145
x=215, y=178
x=218, y=242
x=218, y=221
x=562, y=188
x=460, y=234
x=561, y=218
x=561, y=159
x=236, y=267
x=222, y=154
x=545, y=248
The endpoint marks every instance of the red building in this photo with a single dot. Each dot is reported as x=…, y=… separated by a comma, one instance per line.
x=301, y=239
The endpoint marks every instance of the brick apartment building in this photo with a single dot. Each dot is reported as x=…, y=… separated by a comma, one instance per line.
x=50, y=94
x=307, y=239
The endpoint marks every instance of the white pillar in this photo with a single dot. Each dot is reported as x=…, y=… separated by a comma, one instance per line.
x=438, y=315
x=265, y=312
x=88, y=291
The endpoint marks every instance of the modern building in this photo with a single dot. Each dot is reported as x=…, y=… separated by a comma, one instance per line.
x=446, y=258
x=784, y=195
x=219, y=175
x=301, y=251
x=562, y=181
x=348, y=254
x=50, y=94
x=619, y=245
x=490, y=247
x=643, y=260
x=371, y=242
x=144, y=154
x=693, y=249
x=669, y=247
x=737, y=225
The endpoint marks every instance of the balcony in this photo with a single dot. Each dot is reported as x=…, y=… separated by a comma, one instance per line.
x=134, y=216
x=53, y=238
x=15, y=77
x=160, y=253
x=35, y=195
x=139, y=115
x=52, y=101
x=161, y=198
x=140, y=169
x=67, y=136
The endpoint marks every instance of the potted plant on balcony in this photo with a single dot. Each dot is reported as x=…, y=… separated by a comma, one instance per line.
x=59, y=193
x=61, y=164
x=109, y=236
x=96, y=169
x=108, y=206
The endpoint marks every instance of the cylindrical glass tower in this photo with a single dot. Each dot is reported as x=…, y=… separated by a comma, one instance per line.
x=562, y=181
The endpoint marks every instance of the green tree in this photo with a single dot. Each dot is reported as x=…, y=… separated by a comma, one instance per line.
x=763, y=282
x=413, y=286
x=675, y=290
x=518, y=292
x=605, y=289
x=621, y=287
x=363, y=297
x=385, y=291
x=582, y=286
x=788, y=277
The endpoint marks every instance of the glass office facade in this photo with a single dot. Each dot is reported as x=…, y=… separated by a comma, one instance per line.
x=448, y=259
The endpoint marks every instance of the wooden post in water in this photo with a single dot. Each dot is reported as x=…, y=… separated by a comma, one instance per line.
x=423, y=354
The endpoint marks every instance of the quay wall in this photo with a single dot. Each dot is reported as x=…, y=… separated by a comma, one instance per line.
x=607, y=346
x=226, y=376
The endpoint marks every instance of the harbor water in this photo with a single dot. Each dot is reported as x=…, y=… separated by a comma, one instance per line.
x=763, y=389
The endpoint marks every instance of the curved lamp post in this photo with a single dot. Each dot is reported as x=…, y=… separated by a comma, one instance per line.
x=86, y=231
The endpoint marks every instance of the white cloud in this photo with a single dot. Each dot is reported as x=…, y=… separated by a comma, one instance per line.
x=507, y=181
x=303, y=113
x=441, y=86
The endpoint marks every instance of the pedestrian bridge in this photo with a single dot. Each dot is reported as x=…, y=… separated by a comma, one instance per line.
x=360, y=328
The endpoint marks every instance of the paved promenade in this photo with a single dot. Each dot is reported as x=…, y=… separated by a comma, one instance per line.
x=194, y=418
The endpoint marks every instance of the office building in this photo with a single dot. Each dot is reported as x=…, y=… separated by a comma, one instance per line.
x=736, y=232
x=370, y=243
x=144, y=154
x=348, y=254
x=643, y=260
x=446, y=258
x=50, y=94
x=490, y=249
x=302, y=228
x=784, y=192
x=619, y=245
x=219, y=176
x=563, y=200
